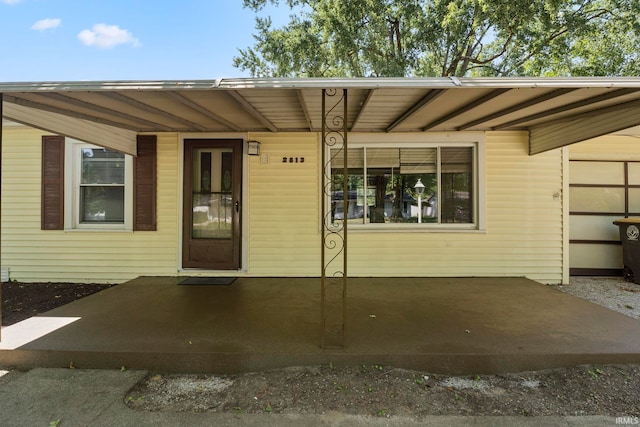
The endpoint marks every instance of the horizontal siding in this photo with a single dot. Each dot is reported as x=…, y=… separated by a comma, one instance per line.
x=524, y=222
x=284, y=205
x=611, y=147
x=35, y=255
x=523, y=236
x=524, y=226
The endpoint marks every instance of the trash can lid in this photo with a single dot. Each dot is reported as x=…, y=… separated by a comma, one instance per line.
x=632, y=220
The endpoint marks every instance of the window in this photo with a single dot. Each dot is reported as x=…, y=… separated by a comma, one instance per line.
x=99, y=191
x=384, y=180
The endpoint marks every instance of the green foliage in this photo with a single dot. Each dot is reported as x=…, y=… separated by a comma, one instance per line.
x=361, y=38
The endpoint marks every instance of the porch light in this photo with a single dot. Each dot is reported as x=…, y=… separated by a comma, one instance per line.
x=253, y=148
x=419, y=187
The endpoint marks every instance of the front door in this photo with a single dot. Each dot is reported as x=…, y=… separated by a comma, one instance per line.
x=212, y=204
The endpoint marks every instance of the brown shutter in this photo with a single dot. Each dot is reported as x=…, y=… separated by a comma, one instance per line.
x=52, y=205
x=144, y=184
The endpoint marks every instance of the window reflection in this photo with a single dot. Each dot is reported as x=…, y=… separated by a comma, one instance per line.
x=381, y=185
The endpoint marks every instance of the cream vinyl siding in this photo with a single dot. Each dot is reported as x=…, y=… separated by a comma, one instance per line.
x=32, y=254
x=524, y=219
x=610, y=147
x=523, y=236
x=283, y=206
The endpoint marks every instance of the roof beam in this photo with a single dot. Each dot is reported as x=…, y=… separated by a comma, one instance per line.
x=363, y=107
x=431, y=96
x=468, y=107
x=94, y=133
x=62, y=111
x=526, y=104
x=568, y=107
x=150, y=109
x=103, y=110
x=580, y=127
x=303, y=104
x=200, y=109
x=252, y=110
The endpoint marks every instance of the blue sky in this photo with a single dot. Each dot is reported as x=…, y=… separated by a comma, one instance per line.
x=69, y=40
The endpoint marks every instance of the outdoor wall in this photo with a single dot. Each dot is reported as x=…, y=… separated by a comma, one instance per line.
x=524, y=215
x=32, y=254
x=523, y=236
x=609, y=147
x=284, y=206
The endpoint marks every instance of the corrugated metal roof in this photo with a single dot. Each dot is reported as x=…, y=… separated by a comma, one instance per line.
x=375, y=104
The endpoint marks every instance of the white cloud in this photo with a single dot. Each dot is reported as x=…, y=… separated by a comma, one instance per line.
x=107, y=36
x=11, y=1
x=46, y=24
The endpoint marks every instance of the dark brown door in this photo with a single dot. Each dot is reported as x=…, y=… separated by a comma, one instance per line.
x=212, y=204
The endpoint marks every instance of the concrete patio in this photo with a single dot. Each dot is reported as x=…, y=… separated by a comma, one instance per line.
x=448, y=325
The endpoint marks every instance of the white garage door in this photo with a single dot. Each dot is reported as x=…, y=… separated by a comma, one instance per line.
x=599, y=193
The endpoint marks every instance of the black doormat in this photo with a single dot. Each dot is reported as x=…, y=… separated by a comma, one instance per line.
x=208, y=281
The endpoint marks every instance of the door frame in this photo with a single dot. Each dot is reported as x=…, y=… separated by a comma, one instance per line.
x=244, y=223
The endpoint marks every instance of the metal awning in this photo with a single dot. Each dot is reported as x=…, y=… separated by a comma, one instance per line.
x=556, y=111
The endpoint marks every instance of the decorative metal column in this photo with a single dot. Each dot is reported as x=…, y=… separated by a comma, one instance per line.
x=334, y=230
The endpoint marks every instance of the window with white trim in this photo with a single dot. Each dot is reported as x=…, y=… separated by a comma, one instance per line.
x=427, y=185
x=98, y=187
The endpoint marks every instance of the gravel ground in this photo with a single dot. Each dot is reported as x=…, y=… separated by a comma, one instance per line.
x=611, y=292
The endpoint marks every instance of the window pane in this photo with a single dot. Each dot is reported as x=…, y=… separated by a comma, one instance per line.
x=391, y=178
x=212, y=216
x=102, y=166
x=611, y=173
x=634, y=200
x=457, y=185
x=634, y=173
x=212, y=199
x=102, y=204
x=584, y=199
x=355, y=185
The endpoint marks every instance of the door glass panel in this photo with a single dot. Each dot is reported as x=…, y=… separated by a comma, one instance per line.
x=212, y=194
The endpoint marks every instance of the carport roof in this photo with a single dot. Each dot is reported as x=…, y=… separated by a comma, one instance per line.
x=556, y=111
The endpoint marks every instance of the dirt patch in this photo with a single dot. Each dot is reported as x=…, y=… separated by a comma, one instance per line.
x=23, y=300
x=382, y=391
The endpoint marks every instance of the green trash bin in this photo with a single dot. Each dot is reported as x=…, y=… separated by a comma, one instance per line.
x=630, y=238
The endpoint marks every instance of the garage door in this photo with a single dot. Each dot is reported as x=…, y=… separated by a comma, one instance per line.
x=599, y=193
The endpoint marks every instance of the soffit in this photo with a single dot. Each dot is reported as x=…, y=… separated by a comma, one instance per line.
x=288, y=105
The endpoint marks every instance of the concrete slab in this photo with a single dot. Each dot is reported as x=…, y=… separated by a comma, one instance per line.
x=73, y=397
x=84, y=397
x=449, y=325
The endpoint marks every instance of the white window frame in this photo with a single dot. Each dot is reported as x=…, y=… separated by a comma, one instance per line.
x=435, y=140
x=72, y=179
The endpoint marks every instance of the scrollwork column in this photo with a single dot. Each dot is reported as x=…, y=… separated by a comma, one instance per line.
x=334, y=230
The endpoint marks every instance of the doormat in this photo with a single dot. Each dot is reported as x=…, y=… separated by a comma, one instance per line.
x=208, y=281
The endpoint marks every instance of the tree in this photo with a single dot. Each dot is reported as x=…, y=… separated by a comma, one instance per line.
x=361, y=38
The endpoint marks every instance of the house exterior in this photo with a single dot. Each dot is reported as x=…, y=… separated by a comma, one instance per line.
x=98, y=187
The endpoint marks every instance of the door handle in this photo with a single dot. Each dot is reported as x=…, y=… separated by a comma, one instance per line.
x=237, y=207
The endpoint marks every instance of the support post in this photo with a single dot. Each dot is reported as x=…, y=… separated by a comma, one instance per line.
x=334, y=227
x=1, y=129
